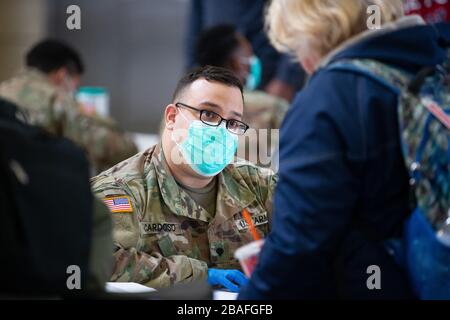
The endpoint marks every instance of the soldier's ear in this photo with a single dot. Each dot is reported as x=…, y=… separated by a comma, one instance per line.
x=58, y=76
x=170, y=115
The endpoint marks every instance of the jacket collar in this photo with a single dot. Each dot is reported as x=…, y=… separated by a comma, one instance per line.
x=404, y=22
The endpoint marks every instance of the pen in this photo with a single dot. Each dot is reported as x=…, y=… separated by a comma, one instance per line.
x=251, y=226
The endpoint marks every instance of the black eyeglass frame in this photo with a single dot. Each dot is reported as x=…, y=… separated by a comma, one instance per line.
x=222, y=119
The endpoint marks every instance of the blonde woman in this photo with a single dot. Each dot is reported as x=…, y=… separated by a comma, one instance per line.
x=343, y=186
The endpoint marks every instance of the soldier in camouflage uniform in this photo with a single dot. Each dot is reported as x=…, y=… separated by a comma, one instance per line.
x=43, y=93
x=164, y=233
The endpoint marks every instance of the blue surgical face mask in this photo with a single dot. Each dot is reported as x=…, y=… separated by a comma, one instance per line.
x=255, y=75
x=207, y=149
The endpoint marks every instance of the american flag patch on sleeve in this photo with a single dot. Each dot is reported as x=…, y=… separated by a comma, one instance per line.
x=118, y=204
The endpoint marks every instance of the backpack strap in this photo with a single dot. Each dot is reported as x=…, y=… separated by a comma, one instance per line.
x=395, y=80
x=437, y=111
x=401, y=83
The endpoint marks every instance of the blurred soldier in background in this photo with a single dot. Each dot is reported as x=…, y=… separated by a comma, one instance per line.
x=280, y=76
x=45, y=93
x=177, y=207
x=223, y=46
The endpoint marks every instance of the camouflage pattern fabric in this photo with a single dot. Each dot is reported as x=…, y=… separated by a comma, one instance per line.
x=262, y=112
x=49, y=107
x=425, y=139
x=163, y=237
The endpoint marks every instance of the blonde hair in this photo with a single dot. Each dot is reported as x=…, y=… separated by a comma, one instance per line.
x=319, y=26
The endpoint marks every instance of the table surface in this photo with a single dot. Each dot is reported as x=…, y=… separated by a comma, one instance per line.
x=131, y=287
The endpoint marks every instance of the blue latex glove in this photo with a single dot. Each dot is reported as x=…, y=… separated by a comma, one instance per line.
x=230, y=279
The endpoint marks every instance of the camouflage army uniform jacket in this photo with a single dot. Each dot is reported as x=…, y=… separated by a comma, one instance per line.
x=264, y=111
x=261, y=111
x=49, y=107
x=162, y=236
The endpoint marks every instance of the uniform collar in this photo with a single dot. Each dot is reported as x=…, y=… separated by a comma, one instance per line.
x=178, y=201
x=233, y=194
x=235, y=191
x=35, y=74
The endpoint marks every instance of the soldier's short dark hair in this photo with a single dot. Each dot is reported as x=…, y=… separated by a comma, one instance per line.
x=50, y=55
x=216, y=45
x=209, y=73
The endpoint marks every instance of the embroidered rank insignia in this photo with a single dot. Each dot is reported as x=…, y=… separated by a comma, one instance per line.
x=120, y=204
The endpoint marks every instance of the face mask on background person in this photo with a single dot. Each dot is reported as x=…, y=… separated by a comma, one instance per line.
x=255, y=74
x=207, y=149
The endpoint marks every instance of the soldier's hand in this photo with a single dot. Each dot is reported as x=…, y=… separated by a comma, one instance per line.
x=233, y=280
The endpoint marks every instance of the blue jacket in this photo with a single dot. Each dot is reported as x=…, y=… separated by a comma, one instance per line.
x=343, y=185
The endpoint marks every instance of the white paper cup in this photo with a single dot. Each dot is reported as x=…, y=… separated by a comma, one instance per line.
x=248, y=256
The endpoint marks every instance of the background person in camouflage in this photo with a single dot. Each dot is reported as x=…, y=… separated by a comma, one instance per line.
x=45, y=93
x=173, y=224
x=223, y=46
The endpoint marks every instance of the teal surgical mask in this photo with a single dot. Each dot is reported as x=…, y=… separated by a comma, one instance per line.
x=207, y=149
x=255, y=75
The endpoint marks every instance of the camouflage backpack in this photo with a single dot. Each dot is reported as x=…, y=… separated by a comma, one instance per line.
x=424, y=122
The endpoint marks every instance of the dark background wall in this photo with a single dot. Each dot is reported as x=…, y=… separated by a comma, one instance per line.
x=22, y=23
x=132, y=47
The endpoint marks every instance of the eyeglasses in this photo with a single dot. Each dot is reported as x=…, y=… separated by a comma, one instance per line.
x=213, y=119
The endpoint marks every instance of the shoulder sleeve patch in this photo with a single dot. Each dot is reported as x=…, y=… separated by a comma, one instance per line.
x=119, y=204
